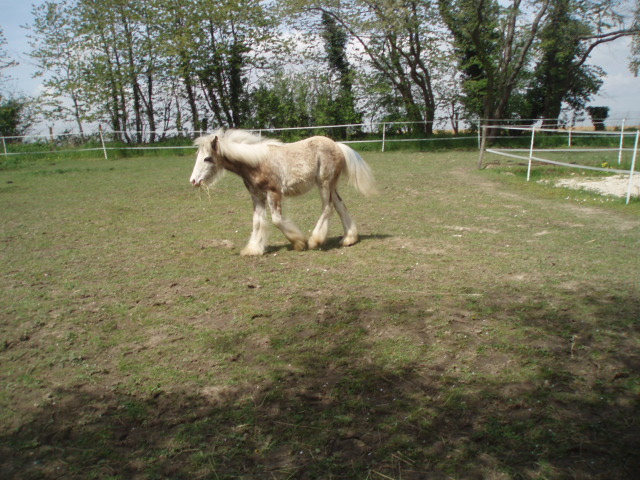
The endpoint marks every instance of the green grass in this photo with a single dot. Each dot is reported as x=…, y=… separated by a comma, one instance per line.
x=484, y=327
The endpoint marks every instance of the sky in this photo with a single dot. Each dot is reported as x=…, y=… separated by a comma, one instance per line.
x=13, y=14
x=620, y=91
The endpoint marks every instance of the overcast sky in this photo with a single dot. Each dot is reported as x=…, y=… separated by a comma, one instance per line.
x=620, y=91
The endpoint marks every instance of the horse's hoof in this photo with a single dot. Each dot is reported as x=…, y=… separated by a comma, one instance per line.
x=348, y=241
x=299, y=245
x=251, y=252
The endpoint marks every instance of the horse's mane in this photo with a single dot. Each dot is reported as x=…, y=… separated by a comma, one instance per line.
x=239, y=145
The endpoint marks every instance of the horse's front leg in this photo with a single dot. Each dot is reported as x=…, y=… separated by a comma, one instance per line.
x=258, y=240
x=286, y=226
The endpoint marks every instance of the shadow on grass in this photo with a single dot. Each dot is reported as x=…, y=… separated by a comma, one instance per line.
x=504, y=390
x=332, y=243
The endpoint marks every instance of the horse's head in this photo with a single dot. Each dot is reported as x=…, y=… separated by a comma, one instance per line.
x=208, y=167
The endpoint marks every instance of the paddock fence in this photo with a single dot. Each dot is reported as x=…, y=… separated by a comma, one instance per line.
x=544, y=143
x=381, y=135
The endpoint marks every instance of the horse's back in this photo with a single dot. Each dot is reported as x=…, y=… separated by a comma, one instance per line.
x=307, y=163
x=313, y=143
x=310, y=150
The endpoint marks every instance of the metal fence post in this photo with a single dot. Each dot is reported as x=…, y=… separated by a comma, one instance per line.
x=621, y=142
x=533, y=136
x=384, y=134
x=633, y=166
x=102, y=141
x=483, y=140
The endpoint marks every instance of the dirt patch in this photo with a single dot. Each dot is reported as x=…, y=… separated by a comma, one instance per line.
x=617, y=185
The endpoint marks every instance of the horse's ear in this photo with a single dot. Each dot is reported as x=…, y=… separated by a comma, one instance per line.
x=215, y=145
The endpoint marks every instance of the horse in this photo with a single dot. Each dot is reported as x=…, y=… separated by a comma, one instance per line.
x=272, y=170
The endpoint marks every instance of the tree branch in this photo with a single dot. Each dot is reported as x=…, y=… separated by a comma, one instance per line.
x=604, y=38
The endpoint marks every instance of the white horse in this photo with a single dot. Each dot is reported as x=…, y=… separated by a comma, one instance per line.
x=272, y=170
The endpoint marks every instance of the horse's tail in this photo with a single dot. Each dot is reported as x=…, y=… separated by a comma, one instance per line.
x=358, y=172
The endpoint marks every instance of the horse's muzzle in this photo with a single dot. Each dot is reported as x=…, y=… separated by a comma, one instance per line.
x=196, y=183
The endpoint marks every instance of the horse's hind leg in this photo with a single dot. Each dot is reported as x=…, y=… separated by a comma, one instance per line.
x=320, y=232
x=286, y=226
x=258, y=240
x=350, y=229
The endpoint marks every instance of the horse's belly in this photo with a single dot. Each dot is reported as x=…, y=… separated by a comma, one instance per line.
x=298, y=179
x=292, y=188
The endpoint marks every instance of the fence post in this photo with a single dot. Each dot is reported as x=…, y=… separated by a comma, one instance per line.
x=102, y=141
x=570, y=130
x=633, y=166
x=621, y=142
x=483, y=140
x=533, y=135
x=4, y=146
x=384, y=134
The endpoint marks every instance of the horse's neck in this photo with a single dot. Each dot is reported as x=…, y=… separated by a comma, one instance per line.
x=239, y=168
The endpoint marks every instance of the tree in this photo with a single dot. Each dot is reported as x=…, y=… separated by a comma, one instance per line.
x=14, y=118
x=228, y=50
x=598, y=116
x=284, y=99
x=5, y=61
x=83, y=50
x=13, y=109
x=405, y=50
x=494, y=46
x=497, y=44
x=401, y=45
x=572, y=29
x=342, y=108
x=58, y=53
x=136, y=64
x=634, y=61
x=213, y=47
x=179, y=31
x=558, y=77
x=120, y=39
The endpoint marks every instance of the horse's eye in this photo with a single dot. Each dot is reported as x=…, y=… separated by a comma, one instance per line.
x=208, y=159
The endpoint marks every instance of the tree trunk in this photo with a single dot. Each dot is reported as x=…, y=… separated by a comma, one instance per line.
x=133, y=80
x=191, y=98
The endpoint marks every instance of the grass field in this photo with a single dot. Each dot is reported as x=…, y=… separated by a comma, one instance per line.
x=484, y=327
